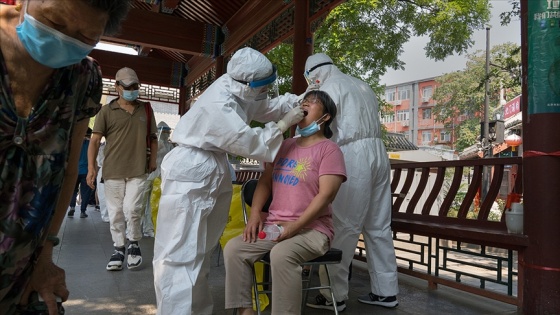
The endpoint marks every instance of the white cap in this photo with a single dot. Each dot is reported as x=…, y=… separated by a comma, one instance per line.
x=127, y=77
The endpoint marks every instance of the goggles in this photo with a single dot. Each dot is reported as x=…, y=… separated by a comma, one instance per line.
x=308, y=71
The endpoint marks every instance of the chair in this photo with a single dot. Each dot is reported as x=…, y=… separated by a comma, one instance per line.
x=332, y=256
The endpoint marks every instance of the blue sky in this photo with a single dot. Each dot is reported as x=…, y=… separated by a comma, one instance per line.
x=418, y=66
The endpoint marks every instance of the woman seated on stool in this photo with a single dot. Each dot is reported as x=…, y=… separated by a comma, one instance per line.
x=304, y=179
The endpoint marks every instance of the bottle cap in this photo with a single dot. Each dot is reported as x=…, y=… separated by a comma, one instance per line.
x=262, y=235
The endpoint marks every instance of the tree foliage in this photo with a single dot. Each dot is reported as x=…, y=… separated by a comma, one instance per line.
x=462, y=93
x=365, y=38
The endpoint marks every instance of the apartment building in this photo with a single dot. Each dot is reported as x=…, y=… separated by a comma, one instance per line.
x=411, y=114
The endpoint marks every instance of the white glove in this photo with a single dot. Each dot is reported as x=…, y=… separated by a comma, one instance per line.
x=291, y=118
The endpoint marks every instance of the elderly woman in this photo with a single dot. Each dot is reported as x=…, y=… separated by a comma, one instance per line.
x=304, y=179
x=48, y=91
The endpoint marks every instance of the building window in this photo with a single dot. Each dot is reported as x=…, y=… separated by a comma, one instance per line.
x=387, y=118
x=390, y=96
x=426, y=137
x=402, y=115
x=445, y=136
x=426, y=93
x=404, y=92
x=427, y=113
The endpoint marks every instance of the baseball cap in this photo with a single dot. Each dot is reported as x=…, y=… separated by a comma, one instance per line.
x=127, y=77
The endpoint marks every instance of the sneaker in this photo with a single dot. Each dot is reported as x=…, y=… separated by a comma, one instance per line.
x=97, y=208
x=71, y=212
x=385, y=301
x=134, y=258
x=83, y=215
x=117, y=259
x=322, y=303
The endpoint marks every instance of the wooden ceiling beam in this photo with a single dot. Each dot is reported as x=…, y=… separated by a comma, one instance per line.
x=155, y=30
x=252, y=17
x=240, y=28
x=153, y=71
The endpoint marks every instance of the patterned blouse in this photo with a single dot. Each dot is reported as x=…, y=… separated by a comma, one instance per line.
x=33, y=157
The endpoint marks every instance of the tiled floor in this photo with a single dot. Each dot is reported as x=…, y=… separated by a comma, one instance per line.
x=86, y=247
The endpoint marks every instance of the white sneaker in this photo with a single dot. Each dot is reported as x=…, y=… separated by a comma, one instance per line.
x=116, y=261
x=134, y=259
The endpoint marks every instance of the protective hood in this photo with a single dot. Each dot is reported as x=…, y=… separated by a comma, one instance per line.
x=318, y=68
x=253, y=73
x=163, y=131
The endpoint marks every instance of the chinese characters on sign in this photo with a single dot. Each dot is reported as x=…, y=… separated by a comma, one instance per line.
x=543, y=39
x=512, y=107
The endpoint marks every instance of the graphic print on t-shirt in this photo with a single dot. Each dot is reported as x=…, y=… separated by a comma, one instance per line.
x=290, y=172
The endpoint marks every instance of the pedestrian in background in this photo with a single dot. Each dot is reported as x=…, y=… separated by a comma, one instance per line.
x=127, y=124
x=81, y=183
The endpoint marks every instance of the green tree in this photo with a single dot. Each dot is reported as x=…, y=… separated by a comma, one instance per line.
x=461, y=93
x=365, y=37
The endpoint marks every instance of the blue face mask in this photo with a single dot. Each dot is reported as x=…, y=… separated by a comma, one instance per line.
x=130, y=95
x=48, y=46
x=311, y=129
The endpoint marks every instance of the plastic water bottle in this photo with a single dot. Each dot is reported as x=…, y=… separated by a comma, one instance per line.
x=271, y=232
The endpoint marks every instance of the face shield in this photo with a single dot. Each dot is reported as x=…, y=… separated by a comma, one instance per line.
x=267, y=87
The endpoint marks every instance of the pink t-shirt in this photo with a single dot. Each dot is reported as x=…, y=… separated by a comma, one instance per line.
x=295, y=181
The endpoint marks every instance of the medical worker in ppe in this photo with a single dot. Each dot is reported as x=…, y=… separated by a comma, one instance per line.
x=357, y=130
x=164, y=146
x=196, y=183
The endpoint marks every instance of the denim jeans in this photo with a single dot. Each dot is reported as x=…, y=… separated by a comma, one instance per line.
x=85, y=193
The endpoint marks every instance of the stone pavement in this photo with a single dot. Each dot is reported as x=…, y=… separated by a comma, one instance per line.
x=86, y=247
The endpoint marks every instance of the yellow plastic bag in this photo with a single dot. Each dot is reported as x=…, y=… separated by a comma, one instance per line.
x=154, y=200
x=234, y=227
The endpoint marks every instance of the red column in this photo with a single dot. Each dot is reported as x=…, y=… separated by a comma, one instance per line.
x=303, y=45
x=540, y=269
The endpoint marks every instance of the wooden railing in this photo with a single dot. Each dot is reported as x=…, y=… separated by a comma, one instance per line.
x=446, y=233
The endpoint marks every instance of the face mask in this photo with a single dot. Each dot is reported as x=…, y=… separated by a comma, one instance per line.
x=311, y=129
x=130, y=95
x=48, y=46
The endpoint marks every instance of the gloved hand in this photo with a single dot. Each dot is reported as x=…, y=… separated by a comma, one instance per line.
x=291, y=118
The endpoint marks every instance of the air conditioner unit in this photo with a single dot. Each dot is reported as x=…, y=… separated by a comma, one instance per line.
x=397, y=102
x=404, y=123
x=425, y=99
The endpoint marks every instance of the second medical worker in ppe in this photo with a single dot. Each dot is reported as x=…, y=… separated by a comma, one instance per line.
x=357, y=130
x=196, y=183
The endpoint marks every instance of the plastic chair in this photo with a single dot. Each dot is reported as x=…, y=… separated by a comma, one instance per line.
x=332, y=256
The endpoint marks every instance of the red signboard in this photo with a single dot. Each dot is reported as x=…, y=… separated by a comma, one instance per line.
x=512, y=107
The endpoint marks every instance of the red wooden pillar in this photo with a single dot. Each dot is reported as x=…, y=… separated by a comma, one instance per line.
x=303, y=48
x=303, y=45
x=540, y=269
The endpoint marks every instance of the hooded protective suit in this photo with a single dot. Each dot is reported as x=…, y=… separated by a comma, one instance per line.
x=196, y=183
x=164, y=146
x=357, y=130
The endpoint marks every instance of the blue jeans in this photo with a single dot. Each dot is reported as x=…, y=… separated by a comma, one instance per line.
x=85, y=193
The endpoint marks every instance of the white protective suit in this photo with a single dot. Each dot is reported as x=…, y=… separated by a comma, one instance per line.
x=101, y=186
x=164, y=146
x=196, y=183
x=357, y=130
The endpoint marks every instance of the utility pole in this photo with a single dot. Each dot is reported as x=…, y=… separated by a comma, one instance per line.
x=486, y=143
